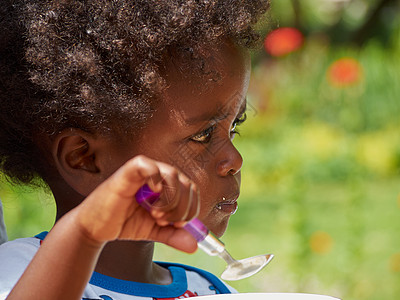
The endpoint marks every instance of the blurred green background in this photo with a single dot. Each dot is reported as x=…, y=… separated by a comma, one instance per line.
x=321, y=177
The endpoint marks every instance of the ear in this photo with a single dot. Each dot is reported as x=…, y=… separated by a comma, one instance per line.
x=74, y=153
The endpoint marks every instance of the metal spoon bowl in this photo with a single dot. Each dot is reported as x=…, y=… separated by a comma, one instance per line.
x=246, y=267
x=240, y=269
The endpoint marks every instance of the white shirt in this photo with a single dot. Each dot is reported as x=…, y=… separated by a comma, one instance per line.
x=186, y=281
x=3, y=233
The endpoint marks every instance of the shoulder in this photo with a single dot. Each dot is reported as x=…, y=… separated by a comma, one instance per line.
x=18, y=251
x=15, y=257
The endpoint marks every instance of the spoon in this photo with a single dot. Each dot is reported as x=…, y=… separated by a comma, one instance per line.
x=236, y=269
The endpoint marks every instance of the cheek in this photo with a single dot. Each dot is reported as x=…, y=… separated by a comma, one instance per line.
x=201, y=175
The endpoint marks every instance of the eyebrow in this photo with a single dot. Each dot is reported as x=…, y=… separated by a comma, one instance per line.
x=206, y=117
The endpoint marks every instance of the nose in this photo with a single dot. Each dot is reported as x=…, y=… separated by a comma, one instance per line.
x=229, y=160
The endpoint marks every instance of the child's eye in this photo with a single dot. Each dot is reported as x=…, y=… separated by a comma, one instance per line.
x=204, y=136
x=238, y=121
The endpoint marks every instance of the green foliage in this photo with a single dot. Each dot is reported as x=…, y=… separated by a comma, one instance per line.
x=321, y=174
x=27, y=211
x=320, y=181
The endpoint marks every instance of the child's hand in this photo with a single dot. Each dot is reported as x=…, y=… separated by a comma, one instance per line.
x=111, y=212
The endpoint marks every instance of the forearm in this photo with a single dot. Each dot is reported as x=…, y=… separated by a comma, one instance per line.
x=62, y=266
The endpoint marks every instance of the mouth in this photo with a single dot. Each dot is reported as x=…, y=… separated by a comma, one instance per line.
x=228, y=206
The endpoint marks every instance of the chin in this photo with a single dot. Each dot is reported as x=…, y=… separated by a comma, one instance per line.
x=218, y=228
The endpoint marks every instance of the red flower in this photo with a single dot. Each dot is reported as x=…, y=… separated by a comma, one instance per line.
x=283, y=41
x=345, y=72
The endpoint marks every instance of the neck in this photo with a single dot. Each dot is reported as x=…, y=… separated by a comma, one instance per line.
x=132, y=261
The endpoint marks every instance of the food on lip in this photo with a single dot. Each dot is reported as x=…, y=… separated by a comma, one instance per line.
x=228, y=206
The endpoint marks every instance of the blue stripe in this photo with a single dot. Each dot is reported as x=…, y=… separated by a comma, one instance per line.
x=221, y=288
x=177, y=288
x=41, y=235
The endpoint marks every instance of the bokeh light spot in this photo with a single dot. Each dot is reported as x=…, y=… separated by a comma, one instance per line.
x=394, y=263
x=321, y=242
x=376, y=152
x=345, y=72
x=283, y=41
x=398, y=200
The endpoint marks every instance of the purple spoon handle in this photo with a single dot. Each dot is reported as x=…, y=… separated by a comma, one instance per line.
x=145, y=197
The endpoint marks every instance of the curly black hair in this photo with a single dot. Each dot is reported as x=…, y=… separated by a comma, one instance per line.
x=85, y=63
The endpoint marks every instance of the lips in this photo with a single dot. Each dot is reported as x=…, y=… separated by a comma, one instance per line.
x=228, y=206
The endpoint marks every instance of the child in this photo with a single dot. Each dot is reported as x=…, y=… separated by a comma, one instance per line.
x=101, y=97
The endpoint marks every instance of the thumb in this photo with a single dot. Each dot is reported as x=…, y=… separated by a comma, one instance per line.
x=177, y=238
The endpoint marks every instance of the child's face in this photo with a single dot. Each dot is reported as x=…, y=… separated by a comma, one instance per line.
x=193, y=127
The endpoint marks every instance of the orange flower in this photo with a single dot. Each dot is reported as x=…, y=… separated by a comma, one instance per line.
x=321, y=242
x=394, y=263
x=398, y=200
x=283, y=41
x=345, y=72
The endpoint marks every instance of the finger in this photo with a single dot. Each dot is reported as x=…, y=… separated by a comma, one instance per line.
x=194, y=208
x=183, y=200
x=195, y=204
x=148, y=230
x=134, y=174
x=170, y=191
x=177, y=238
x=191, y=207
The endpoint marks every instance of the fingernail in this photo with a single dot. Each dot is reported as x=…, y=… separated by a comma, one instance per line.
x=157, y=214
x=180, y=224
x=162, y=222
